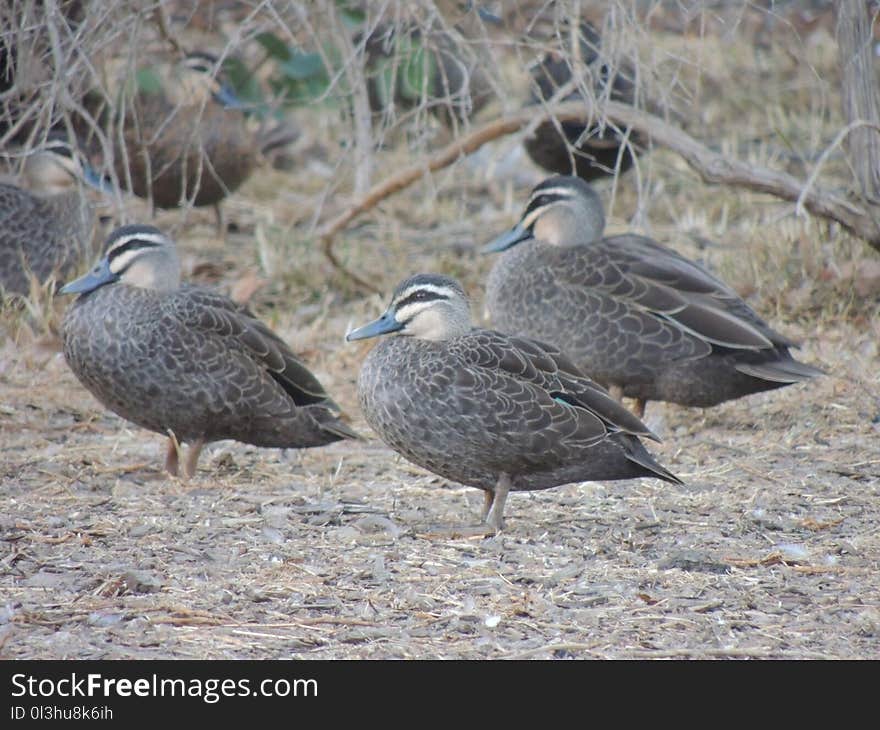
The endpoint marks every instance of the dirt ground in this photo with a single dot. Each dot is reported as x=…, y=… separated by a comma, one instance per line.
x=771, y=549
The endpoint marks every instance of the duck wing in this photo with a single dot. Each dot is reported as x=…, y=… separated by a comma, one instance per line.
x=654, y=281
x=219, y=316
x=545, y=380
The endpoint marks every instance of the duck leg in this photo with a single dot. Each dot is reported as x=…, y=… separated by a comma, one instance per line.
x=220, y=222
x=488, y=498
x=616, y=392
x=172, y=456
x=192, y=458
x=641, y=404
x=494, y=518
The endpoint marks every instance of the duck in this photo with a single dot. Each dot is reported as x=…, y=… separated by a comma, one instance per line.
x=569, y=147
x=644, y=321
x=185, y=361
x=47, y=224
x=184, y=136
x=493, y=411
x=439, y=69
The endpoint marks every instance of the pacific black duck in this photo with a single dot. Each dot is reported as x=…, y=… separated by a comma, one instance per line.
x=440, y=69
x=185, y=140
x=642, y=320
x=489, y=410
x=567, y=147
x=47, y=226
x=185, y=361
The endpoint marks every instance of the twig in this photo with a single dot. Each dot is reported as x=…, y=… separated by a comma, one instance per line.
x=461, y=147
x=697, y=653
x=862, y=221
x=838, y=140
x=299, y=623
x=732, y=653
x=360, y=107
x=715, y=168
x=165, y=30
x=859, y=93
x=570, y=647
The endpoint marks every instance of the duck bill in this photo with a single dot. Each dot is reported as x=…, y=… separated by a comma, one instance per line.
x=515, y=235
x=382, y=326
x=228, y=98
x=97, y=277
x=92, y=178
x=487, y=16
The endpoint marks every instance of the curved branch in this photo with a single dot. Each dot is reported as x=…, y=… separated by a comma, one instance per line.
x=464, y=145
x=838, y=140
x=861, y=220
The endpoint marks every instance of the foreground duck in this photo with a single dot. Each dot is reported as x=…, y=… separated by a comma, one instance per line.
x=184, y=361
x=491, y=411
x=642, y=320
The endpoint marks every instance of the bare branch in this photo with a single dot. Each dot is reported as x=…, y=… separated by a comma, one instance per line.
x=461, y=147
x=861, y=100
x=838, y=140
x=165, y=30
x=361, y=114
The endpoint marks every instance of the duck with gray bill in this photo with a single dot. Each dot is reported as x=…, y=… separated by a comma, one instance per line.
x=185, y=361
x=641, y=319
x=183, y=139
x=47, y=226
x=489, y=410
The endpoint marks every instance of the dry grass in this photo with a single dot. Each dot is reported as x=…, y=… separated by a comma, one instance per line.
x=770, y=550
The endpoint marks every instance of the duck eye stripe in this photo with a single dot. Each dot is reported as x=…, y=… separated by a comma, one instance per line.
x=418, y=296
x=536, y=204
x=423, y=292
x=131, y=245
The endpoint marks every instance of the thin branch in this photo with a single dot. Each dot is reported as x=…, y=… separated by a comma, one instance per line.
x=861, y=220
x=463, y=146
x=360, y=106
x=859, y=93
x=165, y=30
x=838, y=140
x=715, y=168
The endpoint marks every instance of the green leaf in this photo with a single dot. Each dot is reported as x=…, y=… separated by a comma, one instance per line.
x=274, y=46
x=245, y=86
x=315, y=87
x=417, y=69
x=352, y=16
x=386, y=79
x=148, y=81
x=302, y=66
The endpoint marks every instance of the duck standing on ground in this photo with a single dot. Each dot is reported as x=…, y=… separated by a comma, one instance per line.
x=488, y=410
x=644, y=321
x=183, y=138
x=185, y=361
x=46, y=227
